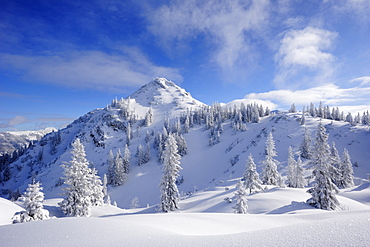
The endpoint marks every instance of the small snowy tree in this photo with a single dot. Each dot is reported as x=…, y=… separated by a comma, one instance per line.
x=241, y=205
x=323, y=191
x=33, y=203
x=171, y=168
x=251, y=178
x=334, y=166
x=111, y=168
x=135, y=202
x=346, y=171
x=270, y=175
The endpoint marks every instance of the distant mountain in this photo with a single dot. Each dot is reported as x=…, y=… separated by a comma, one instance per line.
x=12, y=140
x=219, y=140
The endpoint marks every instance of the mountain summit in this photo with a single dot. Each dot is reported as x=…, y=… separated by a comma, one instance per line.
x=162, y=93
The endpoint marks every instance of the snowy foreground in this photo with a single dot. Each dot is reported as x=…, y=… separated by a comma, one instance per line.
x=277, y=217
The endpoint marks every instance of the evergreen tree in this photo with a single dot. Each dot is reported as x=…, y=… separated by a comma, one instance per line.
x=306, y=145
x=299, y=181
x=171, y=167
x=81, y=183
x=251, y=178
x=323, y=191
x=111, y=168
x=291, y=168
x=105, y=190
x=346, y=171
x=241, y=205
x=126, y=160
x=120, y=175
x=97, y=189
x=270, y=175
x=140, y=154
x=33, y=203
x=334, y=165
x=135, y=202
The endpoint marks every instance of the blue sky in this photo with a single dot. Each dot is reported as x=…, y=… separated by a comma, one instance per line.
x=61, y=59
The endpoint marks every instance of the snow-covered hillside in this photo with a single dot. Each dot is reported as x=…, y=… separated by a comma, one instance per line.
x=217, y=151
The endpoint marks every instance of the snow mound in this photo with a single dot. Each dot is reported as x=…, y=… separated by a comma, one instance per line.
x=8, y=209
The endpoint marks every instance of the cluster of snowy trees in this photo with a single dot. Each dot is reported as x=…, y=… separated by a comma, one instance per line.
x=329, y=172
x=333, y=114
x=118, y=167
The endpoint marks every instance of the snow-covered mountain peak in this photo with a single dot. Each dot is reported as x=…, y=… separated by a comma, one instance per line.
x=162, y=93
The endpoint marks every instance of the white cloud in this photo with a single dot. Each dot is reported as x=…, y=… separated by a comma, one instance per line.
x=355, y=99
x=90, y=69
x=224, y=24
x=302, y=57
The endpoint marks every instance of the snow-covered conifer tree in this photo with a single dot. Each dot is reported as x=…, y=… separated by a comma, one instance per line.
x=291, y=168
x=323, y=191
x=346, y=171
x=78, y=177
x=33, y=203
x=120, y=175
x=105, y=190
x=334, y=172
x=299, y=181
x=305, y=148
x=111, y=168
x=135, y=202
x=241, y=205
x=171, y=168
x=126, y=160
x=270, y=175
x=251, y=178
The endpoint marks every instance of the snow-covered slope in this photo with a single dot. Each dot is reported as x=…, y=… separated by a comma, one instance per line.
x=204, y=167
x=12, y=140
x=207, y=187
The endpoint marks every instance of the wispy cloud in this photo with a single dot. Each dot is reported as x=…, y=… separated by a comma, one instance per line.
x=303, y=57
x=354, y=99
x=90, y=69
x=227, y=27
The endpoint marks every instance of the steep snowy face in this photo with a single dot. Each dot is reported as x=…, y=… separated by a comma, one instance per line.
x=165, y=95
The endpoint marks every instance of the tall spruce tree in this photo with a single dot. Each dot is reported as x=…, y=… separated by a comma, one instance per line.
x=323, y=191
x=171, y=168
x=251, y=178
x=291, y=168
x=81, y=181
x=120, y=175
x=270, y=175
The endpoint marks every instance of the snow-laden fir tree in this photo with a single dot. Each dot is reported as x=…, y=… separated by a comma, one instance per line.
x=241, y=205
x=291, y=167
x=270, y=174
x=140, y=154
x=323, y=191
x=305, y=148
x=81, y=181
x=135, y=202
x=334, y=171
x=251, y=178
x=105, y=190
x=111, y=168
x=120, y=175
x=97, y=189
x=126, y=160
x=171, y=168
x=346, y=171
x=299, y=181
x=33, y=204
